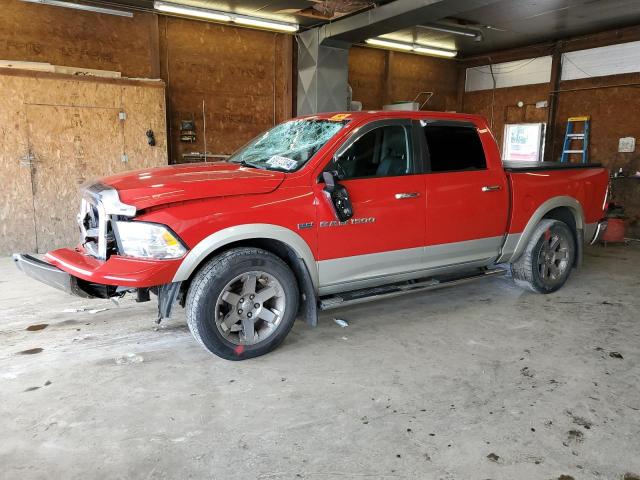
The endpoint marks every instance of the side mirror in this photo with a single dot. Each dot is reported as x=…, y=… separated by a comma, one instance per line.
x=339, y=197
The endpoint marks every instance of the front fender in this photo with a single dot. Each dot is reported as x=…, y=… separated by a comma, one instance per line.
x=252, y=231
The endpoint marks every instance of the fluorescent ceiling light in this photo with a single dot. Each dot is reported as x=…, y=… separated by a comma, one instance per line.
x=389, y=44
x=256, y=22
x=191, y=11
x=224, y=16
x=79, y=6
x=441, y=52
x=408, y=47
x=465, y=32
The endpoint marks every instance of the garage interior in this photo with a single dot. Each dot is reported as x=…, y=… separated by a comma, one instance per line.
x=478, y=381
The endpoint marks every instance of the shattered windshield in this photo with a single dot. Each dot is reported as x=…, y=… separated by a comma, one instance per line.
x=288, y=146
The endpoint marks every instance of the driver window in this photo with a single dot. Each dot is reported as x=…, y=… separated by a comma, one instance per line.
x=381, y=152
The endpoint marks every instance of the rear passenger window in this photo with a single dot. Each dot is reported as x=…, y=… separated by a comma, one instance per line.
x=453, y=148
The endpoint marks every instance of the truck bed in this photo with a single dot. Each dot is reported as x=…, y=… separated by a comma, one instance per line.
x=534, y=183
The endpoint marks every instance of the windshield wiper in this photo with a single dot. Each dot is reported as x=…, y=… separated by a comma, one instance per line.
x=244, y=163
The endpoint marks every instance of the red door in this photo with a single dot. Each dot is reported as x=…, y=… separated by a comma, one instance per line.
x=385, y=236
x=466, y=198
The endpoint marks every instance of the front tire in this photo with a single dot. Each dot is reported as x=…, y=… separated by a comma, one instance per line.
x=546, y=263
x=242, y=303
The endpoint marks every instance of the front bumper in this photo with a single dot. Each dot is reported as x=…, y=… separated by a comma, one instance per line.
x=78, y=274
x=117, y=270
x=141, y=277
x=600, y=229
x=49, y=274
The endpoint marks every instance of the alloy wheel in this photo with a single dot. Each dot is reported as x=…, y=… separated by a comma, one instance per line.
x=250, y=308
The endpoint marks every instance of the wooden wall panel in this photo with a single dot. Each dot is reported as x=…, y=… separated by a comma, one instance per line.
x=17, y=228
x=243, y=76
x=614, y=114
x=60, y=36
x=367, y=76
x=410, y=74
x=505, y=109
x=72, y=128
x=378, y=77
x=145, y=109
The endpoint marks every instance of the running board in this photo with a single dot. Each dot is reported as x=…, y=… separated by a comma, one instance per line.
x=389, y=291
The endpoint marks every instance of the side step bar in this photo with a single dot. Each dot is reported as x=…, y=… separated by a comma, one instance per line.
x=389, y=291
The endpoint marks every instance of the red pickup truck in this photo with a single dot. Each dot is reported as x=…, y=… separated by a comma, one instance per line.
x=324, y=211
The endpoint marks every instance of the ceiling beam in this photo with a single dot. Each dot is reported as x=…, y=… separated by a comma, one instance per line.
x=392, y=17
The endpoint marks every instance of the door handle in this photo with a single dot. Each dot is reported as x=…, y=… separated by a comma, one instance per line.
x=405, y=195
x=491, y=188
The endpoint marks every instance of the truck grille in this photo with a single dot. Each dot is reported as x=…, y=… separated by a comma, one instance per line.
x=92, y=236
x=100, y=205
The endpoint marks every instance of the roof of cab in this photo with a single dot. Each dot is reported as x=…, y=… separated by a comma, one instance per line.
x=375, y=114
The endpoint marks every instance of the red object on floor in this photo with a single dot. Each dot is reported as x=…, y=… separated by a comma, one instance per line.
x=615, y=231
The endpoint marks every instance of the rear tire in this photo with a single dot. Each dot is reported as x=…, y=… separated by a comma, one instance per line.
x=242, y=303
x=546, y=263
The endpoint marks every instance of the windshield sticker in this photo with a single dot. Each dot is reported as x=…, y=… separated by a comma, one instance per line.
x=282, y=162
x=339, y=117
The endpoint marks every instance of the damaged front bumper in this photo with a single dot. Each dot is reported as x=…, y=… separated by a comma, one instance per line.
x=49, y=274
x=95, y=278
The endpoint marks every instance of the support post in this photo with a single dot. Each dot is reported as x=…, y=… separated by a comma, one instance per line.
x=322, y=75
x=556, y=74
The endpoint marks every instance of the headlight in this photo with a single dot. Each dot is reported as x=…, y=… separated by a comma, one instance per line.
x=149, y=240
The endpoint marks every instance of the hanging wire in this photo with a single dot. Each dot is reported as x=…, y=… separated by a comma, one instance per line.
x=565, y=57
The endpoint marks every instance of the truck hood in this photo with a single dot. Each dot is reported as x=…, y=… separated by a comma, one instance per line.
x=194, y=181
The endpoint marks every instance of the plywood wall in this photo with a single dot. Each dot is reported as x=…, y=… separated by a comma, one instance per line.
x=243, y=77
x=501, y=106
x=60, y=36
x=367, y=77
x=378, y=77
x=614, y=114
x=72, y=131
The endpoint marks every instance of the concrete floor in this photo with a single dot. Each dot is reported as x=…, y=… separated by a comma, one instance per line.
x=483, y=381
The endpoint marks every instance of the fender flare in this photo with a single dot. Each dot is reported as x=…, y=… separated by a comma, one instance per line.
x=250, y=231
x=515, y=244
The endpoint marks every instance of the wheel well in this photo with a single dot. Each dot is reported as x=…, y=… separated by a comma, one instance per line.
x=566, y=215
x=276, y=247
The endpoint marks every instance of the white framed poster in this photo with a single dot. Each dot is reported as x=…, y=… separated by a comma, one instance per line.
x=523, y=142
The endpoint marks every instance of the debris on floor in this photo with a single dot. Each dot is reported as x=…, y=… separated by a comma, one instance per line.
x=340, y=322
x=30, y=351
x=37, y=326
x=84, y=309
x=128, y=359
x=616, y=355
x=573, y=437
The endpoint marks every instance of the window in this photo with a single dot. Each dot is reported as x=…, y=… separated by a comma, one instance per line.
x=381, y=152
x=454, y=148
x=287, y=146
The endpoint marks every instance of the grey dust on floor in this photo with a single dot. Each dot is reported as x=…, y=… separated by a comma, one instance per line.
x=482, y=381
